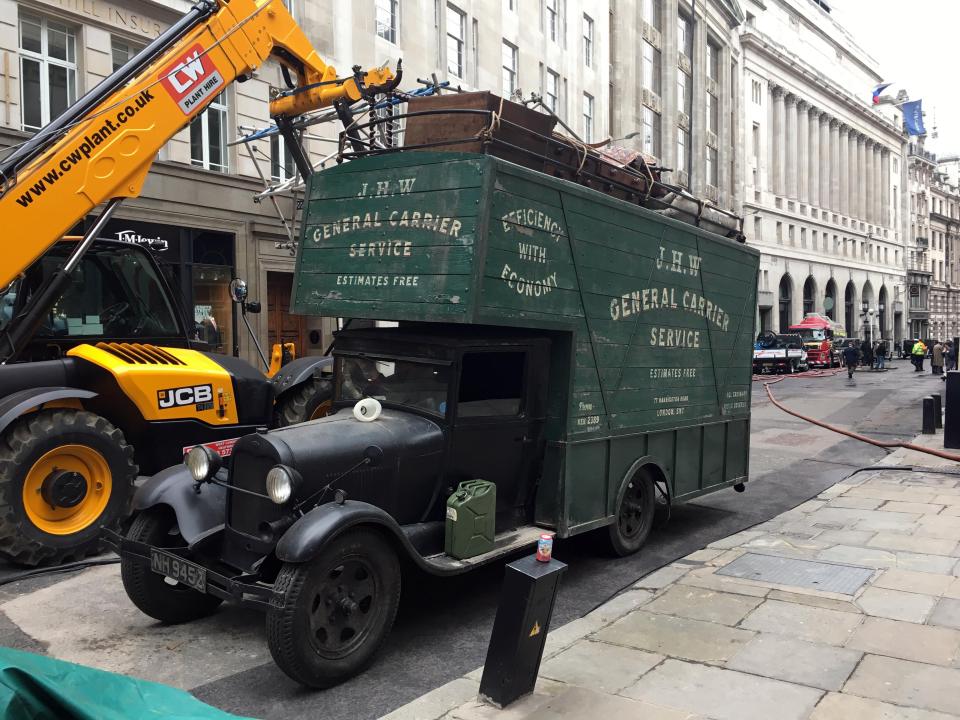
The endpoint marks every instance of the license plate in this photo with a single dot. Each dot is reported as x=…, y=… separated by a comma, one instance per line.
x=175, y=568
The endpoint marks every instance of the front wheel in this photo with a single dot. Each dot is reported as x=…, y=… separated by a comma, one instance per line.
x=635, y=513
x=64, y=474
x=336, y=611
x=157, y=596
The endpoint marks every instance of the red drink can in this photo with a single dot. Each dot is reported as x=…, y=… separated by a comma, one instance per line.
x=545, y=548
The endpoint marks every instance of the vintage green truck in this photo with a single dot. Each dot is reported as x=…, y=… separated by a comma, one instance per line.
x=575, y=350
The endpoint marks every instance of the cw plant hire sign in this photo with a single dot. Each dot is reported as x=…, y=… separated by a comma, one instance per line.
x=191, y=79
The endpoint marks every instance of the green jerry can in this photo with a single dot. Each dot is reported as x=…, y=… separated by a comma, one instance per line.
x=471, y=515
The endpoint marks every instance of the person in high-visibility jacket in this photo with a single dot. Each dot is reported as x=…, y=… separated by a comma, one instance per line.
x=917, y=354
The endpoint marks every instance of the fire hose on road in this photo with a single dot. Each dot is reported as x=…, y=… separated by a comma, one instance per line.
x=886, y=444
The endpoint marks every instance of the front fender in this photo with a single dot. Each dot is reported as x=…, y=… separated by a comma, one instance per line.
x=299, y=371
x=16, y=404
x=307, y=536
x=197, y=513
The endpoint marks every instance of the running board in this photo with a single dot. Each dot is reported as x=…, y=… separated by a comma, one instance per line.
x=503, y=544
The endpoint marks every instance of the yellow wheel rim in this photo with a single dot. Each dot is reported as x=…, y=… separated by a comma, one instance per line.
x=68, y=520
x=322, y=410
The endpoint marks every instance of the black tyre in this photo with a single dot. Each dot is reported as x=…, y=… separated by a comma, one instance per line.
x=308, y=401
x=635, y=515
x=64, y=474
x=157, y=596
x=337, y=610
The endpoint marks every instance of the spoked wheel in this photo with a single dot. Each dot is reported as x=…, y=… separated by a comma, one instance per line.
x=337, y=610
x=635, y=514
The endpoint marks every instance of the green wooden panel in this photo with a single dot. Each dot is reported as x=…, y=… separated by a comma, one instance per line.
x=688, y=461
x=360, y=181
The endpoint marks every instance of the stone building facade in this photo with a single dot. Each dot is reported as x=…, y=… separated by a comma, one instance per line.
x=824, y=174
x=197, y=210
x=675, y=76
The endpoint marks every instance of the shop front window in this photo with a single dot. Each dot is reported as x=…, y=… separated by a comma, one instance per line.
x=212, y=307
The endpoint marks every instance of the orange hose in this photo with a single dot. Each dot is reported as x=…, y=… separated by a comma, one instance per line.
x=851, y=434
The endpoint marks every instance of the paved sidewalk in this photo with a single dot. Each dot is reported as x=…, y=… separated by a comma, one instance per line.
x=690, y=641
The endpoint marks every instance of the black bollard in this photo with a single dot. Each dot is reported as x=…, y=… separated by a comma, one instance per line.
x=937, y=410
x=951, y=419
x=929, y=424
x=520, y=630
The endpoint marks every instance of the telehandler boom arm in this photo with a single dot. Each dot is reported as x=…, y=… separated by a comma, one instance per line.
x=102, y=147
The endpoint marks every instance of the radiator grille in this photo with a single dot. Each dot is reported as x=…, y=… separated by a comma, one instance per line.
x=139, y=354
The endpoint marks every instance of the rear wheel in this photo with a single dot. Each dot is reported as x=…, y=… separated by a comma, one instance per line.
x=308, y=401
x=337, y=610
x=635, y=514
x=64, y=474
x=160, y=597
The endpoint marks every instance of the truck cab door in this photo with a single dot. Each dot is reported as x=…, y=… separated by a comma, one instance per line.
x=497, y=430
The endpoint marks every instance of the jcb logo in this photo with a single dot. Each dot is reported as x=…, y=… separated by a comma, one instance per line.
x=192, y=79
x=179, y=397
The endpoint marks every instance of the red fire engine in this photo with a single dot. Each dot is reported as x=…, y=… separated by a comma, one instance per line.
x=819, y=333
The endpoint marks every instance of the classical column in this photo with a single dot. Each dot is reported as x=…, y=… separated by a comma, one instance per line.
x=790, y=143
x=824, y=161
x=862, y=177
x=771, y=143
x=778, y=148
x=868, y=184
x=803, y=151
x=844, y=170
x=835, y=165
x=812, y=160
x=885, y=187
x=852, y=186
x=877, y=186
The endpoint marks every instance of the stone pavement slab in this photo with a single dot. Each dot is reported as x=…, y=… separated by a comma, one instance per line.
x=857, y=503
x=911, y=507
x=836, y=706
x=579, y=703
x=906, y=640
x=599, y=665
x=916, y=582
x=678, y=637
x=947, y=613
x=913, y=543
x=707, y=578
x=896, y=605
x=662, y=577
x=723, y=694
x=817, y=625
x=938, y=526
x=907, y=683
x=796, y=661
x=702, y=604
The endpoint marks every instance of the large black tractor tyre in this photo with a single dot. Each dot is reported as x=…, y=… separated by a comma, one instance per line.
x=635, y=515
x=64, y=474
x=155, y=595
x=308, y=401
x=336, y=611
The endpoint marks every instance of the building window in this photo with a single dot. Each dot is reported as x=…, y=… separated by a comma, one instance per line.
x=387, y=19
x=650, y=13
x=208, y=136
x=456, y=34
x=122, y=51
x=755, y=148
x=756, y=92
x=551, y=91
x=587, y=40
x=511, y=5
x=509, y=60
x=713, y=114
x=713, y=167
x=587, y=117
x=779, y=233
x=683, y=146
x=281, y=160
x=713, y=62
x=651, y=71
x=684, y=37
x=683, y=97
x=48, y=69
x=650, y=121
x=553, y=18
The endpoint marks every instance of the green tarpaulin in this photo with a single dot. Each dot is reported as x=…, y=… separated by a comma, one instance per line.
x=34, y=687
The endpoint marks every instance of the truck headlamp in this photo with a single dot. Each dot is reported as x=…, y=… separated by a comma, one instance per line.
x=281, y=481
x=203, y=462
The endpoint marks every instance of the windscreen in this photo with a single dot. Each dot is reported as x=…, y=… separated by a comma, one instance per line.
x=398, y=382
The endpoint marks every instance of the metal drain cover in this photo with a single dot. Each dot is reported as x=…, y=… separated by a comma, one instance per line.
x=829, y=577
